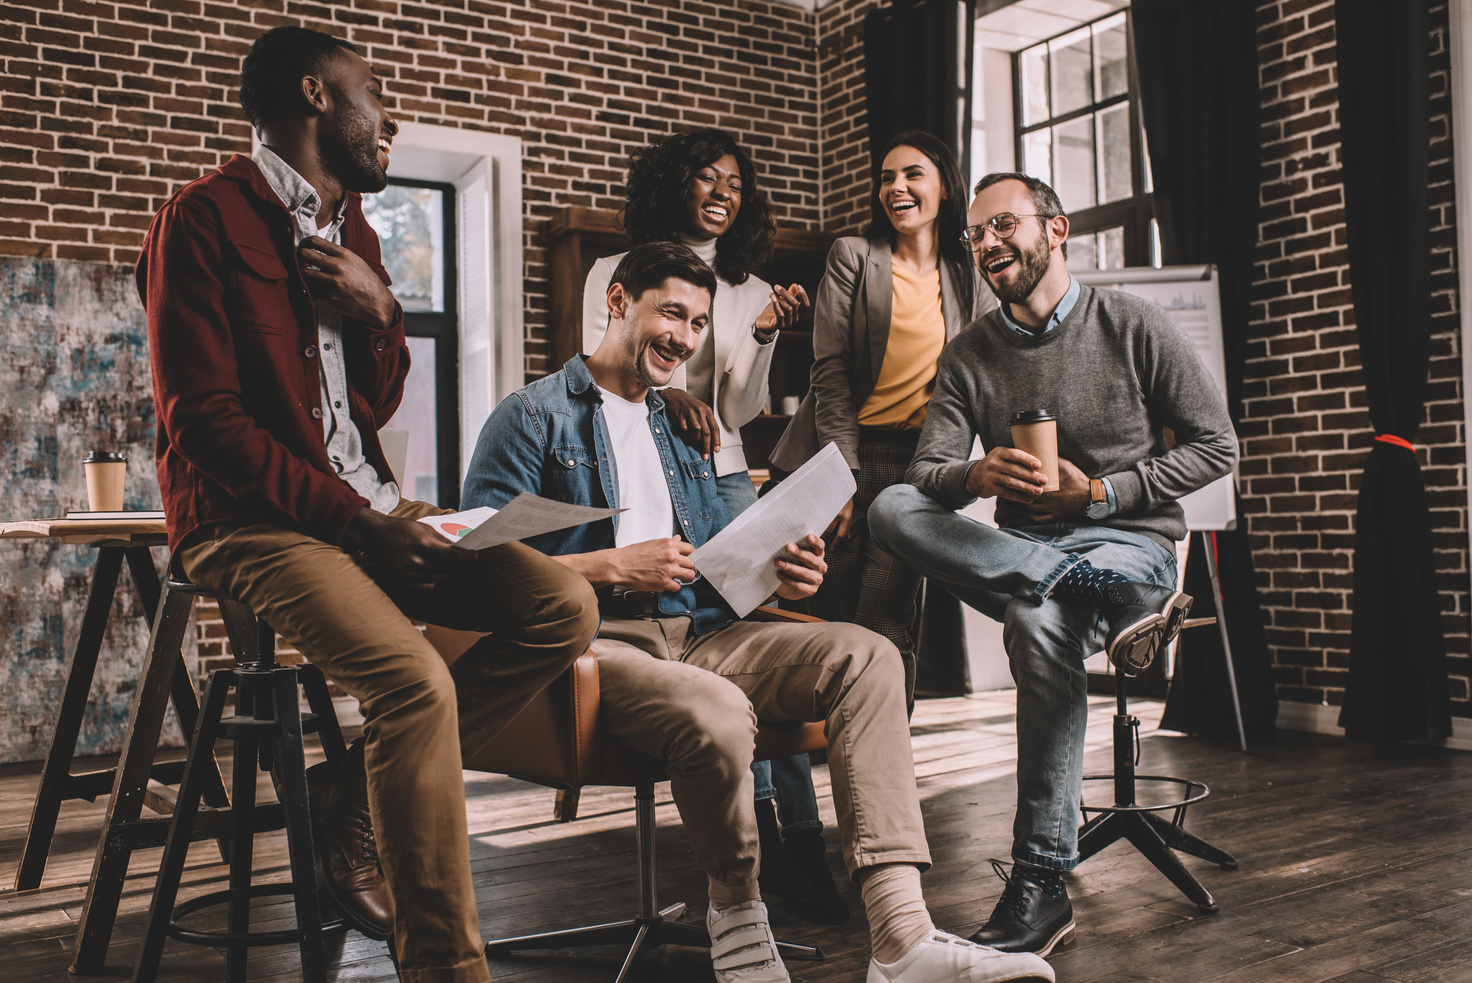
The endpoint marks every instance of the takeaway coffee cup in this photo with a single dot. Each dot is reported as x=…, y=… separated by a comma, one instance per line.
x=1036, y=431
x=105, y=473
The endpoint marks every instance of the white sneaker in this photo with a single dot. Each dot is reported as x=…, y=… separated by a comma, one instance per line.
x=741, y=945
x=947, y=958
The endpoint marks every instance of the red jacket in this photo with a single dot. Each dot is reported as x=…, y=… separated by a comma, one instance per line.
x=232, y=332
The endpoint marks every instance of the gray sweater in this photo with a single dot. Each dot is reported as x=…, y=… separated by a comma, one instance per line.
x=1116, y=371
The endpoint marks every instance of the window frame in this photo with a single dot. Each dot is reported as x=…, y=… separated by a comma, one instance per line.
x=1135, y=213
x=444, y=328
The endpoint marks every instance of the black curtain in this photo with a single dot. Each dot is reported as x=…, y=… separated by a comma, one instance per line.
x=917, y=76
x=1397, y=688
x=1199, y=100
x=917, y=72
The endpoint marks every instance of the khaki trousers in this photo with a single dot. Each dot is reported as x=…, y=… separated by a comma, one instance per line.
x=694, y=703
x=420, y=715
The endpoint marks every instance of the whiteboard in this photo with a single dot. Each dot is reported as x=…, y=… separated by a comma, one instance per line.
x=1189, y=295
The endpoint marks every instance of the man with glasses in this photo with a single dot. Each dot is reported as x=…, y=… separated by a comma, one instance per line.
x=1069, y=572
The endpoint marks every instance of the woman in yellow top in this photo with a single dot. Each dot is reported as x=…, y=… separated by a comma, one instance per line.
x=888, y=303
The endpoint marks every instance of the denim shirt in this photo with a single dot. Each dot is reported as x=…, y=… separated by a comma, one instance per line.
x=550, y=438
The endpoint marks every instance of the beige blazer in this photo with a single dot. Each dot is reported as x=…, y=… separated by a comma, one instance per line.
x=850, y=336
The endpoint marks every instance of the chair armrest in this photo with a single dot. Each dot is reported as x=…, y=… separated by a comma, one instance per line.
x=768, y=613
x=554, y=740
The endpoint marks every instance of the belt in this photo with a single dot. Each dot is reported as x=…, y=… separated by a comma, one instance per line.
x=632, y=603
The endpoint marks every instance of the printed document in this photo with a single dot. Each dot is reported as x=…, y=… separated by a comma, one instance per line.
x=524, y=516
x=738, y=560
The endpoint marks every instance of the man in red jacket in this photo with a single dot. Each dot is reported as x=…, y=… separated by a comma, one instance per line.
x=278, y=351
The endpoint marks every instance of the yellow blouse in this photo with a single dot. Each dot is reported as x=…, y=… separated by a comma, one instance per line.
x=917, y=333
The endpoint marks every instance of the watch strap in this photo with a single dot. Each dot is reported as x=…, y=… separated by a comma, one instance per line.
x=1097, y=495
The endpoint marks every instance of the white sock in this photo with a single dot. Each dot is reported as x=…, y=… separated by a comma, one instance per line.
x=898, y=918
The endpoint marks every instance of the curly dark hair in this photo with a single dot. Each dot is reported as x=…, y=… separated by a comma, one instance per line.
x=951, y=220
x=275, y=66
x=659, y=177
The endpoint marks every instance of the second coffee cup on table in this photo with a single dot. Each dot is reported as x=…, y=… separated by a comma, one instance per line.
x=1036, y=432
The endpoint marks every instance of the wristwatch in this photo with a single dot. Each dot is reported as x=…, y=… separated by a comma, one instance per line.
x=1098, y=500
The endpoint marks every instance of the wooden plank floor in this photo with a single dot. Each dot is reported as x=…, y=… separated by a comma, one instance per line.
x=1356, y=867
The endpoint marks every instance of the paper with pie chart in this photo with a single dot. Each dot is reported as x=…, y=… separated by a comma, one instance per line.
x=738, y=560
x=524, y=516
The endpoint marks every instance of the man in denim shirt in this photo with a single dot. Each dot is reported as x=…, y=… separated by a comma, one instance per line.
x=682, y=679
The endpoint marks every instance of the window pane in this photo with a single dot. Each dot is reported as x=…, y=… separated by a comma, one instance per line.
x=1082, y=252
x=1035, y=85
x=410, y=225
x=1037, y=155
x=1115, y=180
x=1111, y=65
x=1073, y=163
x=1111, y=249
x=1072, y=72
x=420, y=480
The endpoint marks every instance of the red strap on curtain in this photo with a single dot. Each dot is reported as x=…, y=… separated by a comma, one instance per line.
x=1390, y=438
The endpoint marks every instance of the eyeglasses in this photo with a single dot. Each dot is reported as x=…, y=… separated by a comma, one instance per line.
x=1003, y=224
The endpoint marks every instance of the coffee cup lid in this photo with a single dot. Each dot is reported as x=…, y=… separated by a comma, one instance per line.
x=1030, y=416
x=104, y=457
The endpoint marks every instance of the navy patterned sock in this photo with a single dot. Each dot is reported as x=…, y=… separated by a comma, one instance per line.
x=1048, y=879
x=1084, y=583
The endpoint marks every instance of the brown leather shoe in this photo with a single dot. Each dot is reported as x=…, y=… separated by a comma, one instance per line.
x=347, y=855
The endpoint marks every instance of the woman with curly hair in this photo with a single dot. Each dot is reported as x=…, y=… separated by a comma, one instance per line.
x=889, y=302
x=700, y=189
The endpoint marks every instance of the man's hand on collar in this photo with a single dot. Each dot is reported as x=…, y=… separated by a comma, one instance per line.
x=337, y=274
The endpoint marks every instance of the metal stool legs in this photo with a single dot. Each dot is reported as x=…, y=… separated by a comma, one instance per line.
x=651, y=927
x=1153, y=836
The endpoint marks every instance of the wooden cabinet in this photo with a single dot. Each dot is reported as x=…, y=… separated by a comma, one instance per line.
x=577, y=236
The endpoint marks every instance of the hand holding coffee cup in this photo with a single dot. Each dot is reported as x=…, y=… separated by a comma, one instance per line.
x=106, y=472
x=1036, y=432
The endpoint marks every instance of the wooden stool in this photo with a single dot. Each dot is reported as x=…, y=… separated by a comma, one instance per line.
x=267, y=729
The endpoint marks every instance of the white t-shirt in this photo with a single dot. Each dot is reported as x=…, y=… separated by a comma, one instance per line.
x=641, y=478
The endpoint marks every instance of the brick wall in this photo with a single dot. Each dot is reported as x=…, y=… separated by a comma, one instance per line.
x=107, y=108
x=1306, y=430
x=843, y=124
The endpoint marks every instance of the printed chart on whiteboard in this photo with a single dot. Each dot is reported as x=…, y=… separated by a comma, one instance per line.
x=1189, y=296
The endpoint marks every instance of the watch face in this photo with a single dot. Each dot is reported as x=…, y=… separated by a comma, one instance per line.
x=1098, y=510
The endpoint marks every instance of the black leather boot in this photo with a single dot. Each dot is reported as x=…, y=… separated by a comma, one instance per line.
x=1143, y=619
x=1028, y=917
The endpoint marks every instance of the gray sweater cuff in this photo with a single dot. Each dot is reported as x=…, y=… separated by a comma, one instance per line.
x=1129, y=491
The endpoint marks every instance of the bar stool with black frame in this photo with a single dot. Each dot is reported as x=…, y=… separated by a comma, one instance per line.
x=1127, y=819
x=268, y=727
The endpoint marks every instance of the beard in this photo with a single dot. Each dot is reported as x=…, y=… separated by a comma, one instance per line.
x=1032, y=264
x=350, y=150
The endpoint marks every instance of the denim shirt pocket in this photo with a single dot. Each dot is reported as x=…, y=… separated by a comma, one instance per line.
x=574, y=472
x=701, y=476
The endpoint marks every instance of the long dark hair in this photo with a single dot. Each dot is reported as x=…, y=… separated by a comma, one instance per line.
x=951, y=220
x=659, y=177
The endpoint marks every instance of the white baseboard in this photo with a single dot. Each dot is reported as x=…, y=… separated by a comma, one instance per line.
x=1319, y=718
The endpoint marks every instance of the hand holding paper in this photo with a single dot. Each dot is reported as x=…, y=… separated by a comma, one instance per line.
x=739, y=560
x=524, y=516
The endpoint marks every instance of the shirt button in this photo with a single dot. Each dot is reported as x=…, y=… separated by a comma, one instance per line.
x=316, y=412
x=337, y=403
x=686, y=521
x=706, y=473
x=311, y=351
x=671, y=472
x=656, y=430
x=380, y=345
x=327, y=347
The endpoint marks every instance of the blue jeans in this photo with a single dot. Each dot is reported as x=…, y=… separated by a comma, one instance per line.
x=1008, y=574
x=788, y=780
